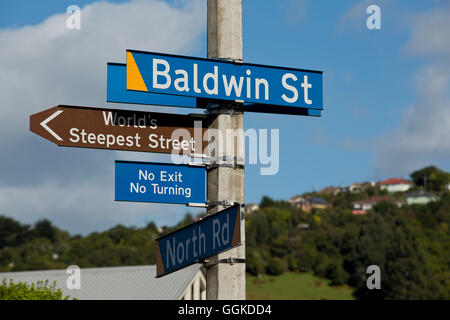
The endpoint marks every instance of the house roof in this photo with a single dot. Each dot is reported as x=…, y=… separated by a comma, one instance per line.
x=393, y=181
x=116, y=283
x=296, y=199
x=329, y=189
x=371, y=200
x=361, y=184
x=317, y=200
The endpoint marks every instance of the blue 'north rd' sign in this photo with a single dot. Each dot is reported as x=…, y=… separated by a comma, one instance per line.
x=223, y=80
x=161, y=183
x=208, y=237
x=117, y=92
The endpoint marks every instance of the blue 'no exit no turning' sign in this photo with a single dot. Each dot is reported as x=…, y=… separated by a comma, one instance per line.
x=160, y=183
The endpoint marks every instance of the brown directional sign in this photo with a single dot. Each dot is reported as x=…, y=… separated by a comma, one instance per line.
x=115, y=129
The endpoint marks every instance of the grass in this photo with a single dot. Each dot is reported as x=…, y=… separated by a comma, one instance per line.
x=294, y=286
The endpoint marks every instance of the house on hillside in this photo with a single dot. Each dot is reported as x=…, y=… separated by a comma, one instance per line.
x=297, y=201
x=420, y=197
x=123, y=283
x=317, y=203
x=251, y=207
x=362, y=206
x=395, y=185
x=358, y=187
x=303, y=226
x=307, y=203
x=330, y=190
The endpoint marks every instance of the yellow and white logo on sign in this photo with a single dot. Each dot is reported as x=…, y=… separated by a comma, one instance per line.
x=134, y=77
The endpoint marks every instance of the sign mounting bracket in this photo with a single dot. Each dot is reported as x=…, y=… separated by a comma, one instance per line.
x=231, y=261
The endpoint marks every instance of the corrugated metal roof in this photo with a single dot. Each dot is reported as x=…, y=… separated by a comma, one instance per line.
x=116, y=283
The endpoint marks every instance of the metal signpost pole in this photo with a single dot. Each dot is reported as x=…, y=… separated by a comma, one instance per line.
x=226, y=183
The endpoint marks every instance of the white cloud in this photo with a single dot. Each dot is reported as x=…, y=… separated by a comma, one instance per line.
x=296, y=11
x=430, y=34
x=47, y=64
x=423, y=136
x=354, y=17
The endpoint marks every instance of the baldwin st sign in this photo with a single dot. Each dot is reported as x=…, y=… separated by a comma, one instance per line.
x=162, y=183
x=111, y=129
x=214, y=234
x=224, y=80
x=117, y=92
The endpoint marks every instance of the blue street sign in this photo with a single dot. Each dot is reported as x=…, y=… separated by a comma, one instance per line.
x=224, y=80
x=118, y=93
x=208, y=237
x=161, y=183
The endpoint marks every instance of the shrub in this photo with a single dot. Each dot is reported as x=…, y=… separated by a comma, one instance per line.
x=306, y=257
x=292, y=263
x=276, y=266
x=335, y=272
x=23, y=291
x=255, y=263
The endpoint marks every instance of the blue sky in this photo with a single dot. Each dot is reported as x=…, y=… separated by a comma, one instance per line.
x=386, y=96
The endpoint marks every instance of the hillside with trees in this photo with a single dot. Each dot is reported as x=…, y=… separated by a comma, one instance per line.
x=410, y=244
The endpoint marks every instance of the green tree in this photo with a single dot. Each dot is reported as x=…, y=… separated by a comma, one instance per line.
x=336, y=273
x=12, y=233
x=255, y=263
x=431, y=178
x=44, y=229
x=267, y=202
x=388, y=239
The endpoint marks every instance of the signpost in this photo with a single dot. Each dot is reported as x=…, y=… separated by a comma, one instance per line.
x=225, y=87
x=120, y=130
x=210, y=236
x=224, y=80
x=161, y=183
x=225, y=280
